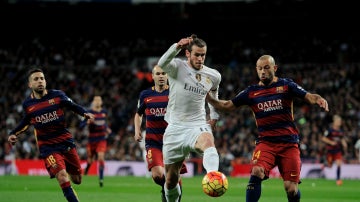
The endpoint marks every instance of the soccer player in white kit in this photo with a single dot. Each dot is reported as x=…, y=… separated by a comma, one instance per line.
x=188, y=129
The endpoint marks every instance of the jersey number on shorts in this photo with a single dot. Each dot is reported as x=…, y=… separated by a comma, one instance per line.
x=256, y=155
x=51, y=160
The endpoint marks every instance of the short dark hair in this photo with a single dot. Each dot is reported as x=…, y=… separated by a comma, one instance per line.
x=197, y=42
x=33, y=70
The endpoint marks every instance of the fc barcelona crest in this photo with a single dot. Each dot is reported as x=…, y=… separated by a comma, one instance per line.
x=280, y=89
x=198, y=77
x=52, y=101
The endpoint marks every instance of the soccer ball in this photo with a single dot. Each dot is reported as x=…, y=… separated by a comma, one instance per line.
x=215, y=184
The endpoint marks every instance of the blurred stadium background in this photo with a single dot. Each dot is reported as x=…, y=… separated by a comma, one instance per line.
x=108, y=47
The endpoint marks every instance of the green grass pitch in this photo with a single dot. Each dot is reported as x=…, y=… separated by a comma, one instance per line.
x=140, y=189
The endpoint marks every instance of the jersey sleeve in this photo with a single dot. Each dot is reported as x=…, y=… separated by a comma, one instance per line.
x=23, y=124
x=166, y=61
x=296, y=89
x=141, y=106
x=241, y=98
x=69, y=103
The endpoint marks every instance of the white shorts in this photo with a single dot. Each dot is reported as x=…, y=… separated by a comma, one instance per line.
x=179, y=141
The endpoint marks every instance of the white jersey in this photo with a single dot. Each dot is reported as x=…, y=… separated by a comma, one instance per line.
x=188, y=90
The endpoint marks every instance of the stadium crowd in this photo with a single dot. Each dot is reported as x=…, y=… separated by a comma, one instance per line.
x=324, y=59
x=85, y=68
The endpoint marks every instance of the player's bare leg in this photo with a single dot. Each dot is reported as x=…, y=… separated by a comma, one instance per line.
x=172, y=186
x=64, y=182
x=101, y=159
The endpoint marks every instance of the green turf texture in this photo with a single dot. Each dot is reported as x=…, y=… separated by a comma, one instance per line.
x=140, y=189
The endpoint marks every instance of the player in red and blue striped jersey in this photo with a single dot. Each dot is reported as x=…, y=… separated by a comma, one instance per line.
x=153, y=103
x=98, y=131
x=44, y=109
x=271, y=101
x=334, y=137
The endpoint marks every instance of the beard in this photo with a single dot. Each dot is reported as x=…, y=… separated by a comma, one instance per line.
x=267, y=80
x=195, y=66
x=39, y=91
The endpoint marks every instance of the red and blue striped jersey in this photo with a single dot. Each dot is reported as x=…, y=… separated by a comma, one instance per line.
x=153, y=105
x=336, y=136
x=47, y=115
x=272, y=107
x=98, y=127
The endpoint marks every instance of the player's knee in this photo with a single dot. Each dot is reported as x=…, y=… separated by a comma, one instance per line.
x=101, y=157
x=159, y=179
x=291, y=192
x=291, y=189
x=172, y=181
x=76, y=179
x=209, y=140
x=258, y=172
x=62, y=176
x=157, y=172
x=205, y=140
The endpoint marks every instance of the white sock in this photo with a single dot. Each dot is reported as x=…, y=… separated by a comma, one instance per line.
x=172, y=195
x=211, y=159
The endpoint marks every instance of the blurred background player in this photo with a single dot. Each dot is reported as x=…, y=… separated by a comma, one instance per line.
x=98, y=132
x=336, y=145
x=357, y=148
x=44, y=109
x=153, y=104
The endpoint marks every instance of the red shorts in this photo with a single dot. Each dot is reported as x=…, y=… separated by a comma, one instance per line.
x=331, y=157
x=154, y=157
x=68, y=160
x=284, y=155
x=93, y=148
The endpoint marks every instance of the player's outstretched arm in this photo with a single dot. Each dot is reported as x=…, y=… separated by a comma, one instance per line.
x=317, y=99
x=89, y=116
x=222, y=105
